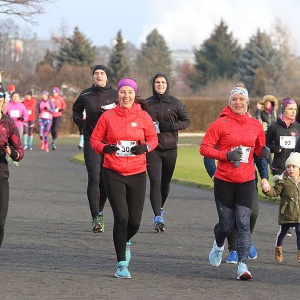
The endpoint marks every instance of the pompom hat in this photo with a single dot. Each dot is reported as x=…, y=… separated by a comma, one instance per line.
x=294, y=159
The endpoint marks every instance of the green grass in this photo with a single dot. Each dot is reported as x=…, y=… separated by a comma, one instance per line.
x=189, y=168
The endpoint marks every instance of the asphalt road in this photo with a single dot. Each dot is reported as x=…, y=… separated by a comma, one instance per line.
x=50, y=252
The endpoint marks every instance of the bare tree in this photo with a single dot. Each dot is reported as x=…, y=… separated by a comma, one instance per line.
x=25, y=9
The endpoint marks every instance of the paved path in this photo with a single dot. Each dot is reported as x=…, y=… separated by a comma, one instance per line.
x=49, y=251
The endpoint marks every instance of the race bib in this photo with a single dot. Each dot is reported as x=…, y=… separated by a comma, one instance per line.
x=45, y=115
x=245, y=154
x=29, y=111
x=14, y=113
x=156, y=124
x=56, y=109
x=288, y=142
x=125, y=148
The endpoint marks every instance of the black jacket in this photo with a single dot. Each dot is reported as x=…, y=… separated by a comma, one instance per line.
x=91, y=101
x=171, y=115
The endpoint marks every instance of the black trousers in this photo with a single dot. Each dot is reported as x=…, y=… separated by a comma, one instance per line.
x=4, y=198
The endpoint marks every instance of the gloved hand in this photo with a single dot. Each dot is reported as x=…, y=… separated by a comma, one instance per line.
x=234, y=155
x=45, y=108
x=14, y=154
x=82, y=122
x=139, y=149
x=60, y=110
x=166, y=126
x=21, y=118
x=110, y=149
x=265, y=152
x=278, y=149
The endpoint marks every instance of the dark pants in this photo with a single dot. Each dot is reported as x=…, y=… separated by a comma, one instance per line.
x=4, y=198
x=54, y=127
x=126, y=195
x=95, y=190
x=160, y=168
x=284, y=228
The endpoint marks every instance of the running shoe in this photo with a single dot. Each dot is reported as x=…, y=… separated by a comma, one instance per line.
x=252, y=252
x=96, y=226
x=215, y=255
x=159, y=224
x=42, y=145
x=122, y=270
x=289, y=233
x=278, y=254
x=15, y=163
x=242, y=272
x=101, y=222
x=232, y=258
x=46, y=147
x=53, y=146
x=128, y=253
x=24, y=147
x=30, y=147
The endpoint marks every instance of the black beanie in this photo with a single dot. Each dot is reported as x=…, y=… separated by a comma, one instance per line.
x=101, y=67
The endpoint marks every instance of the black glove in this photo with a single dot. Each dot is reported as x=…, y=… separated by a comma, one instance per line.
x=109, y=149
x=265, y=152
x=82, y=122
x=14, y=154
x=21, y=118
x=139, y=149
x=234, y=155
x=166, y=126
x=45, y=108
x=60, y=110
x=278, y=149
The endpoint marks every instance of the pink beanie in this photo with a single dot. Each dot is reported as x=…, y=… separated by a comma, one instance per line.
x=126, y=81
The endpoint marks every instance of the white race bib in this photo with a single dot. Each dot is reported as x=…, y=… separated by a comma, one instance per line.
x=14, y=113
x=45, y=115
x=246, y=153
x=287, y=142
x=29, y=111
x=125, y=148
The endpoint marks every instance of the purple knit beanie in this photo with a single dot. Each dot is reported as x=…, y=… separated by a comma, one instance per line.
x=126, y=81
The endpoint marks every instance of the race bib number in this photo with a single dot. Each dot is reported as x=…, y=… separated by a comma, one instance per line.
x=156, y=124
x=45, y=115
x=14, y=113
x=125, y=148
x=245, y=154
x=29, y=111
x=56, y=109
x=287, y=142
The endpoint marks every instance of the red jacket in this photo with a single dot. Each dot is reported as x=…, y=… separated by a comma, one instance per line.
x=31, y=108
x=59, y=104
x=119, y=124
x=230, y=131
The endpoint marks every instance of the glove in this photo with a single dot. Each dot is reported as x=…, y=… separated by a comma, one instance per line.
x=110, y=149
x=278, y=149
x=60, y=110
x=82, y=123
x=14, y=154
x=166, y=126
x=45, y=108
x=265, y=152
x=139, y=149
x=234, y=155
x=21, y=118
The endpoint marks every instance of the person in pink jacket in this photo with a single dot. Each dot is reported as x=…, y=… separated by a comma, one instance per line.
x=124, y=135
x=232, y=140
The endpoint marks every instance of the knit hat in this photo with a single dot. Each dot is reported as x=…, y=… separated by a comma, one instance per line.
x=55, y=90
x=285, y=102
x=45, y=92
x=101, y=67
x=126, y=81
x=11, y=88
x=238, y=90
x=2, y=92
x=294, y=159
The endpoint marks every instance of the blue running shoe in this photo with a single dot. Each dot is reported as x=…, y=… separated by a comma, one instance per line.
x=242, y=272
x=128, y=253
x=232, y=258
x=252, y=252
x=159, y=224
x=215, y=255
x=122, y=270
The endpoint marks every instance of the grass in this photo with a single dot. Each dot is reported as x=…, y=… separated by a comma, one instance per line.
x=189, y=168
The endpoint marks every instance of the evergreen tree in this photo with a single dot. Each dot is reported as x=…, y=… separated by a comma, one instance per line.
x=217, y=57
x=76, y=51
x=260, y=64
x=118, y=65
x=154, y=57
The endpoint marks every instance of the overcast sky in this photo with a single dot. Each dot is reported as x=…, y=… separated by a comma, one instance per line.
x=183, y=23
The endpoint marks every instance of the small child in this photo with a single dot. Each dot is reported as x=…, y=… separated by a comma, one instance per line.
x=287, y=186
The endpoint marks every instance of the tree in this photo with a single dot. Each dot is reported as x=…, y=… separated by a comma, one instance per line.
x=154, y=57
x=217, y=57
x=118, y=65
x=260, y=61
x=76, y=51
x=25, y=9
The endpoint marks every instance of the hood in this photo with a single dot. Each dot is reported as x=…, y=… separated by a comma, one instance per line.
x=227, y=112
x=166, y=93
x=270, y=98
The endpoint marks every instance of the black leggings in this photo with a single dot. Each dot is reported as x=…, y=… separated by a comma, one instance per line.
x=4, y=198
x=234, y=202
x=95, y=190
x=284, y=228
x=126, y=195
x=54, y=127
x=160, y=168
x=231, y=239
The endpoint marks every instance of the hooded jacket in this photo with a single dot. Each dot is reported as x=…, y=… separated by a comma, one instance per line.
x=91, y=101
x=165, y=108
x=59, y=104
x=268, y=117
x=289, y=192
x=121, y=124
x=230, y=131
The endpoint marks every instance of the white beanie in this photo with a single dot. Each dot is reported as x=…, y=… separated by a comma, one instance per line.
x=294, y=159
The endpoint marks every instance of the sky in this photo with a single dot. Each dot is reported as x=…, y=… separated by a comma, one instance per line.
x=184, y=24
